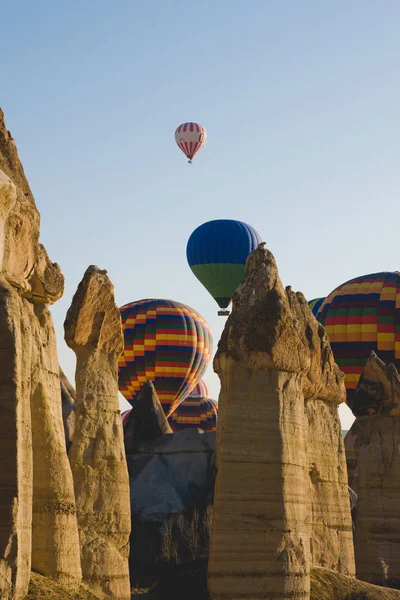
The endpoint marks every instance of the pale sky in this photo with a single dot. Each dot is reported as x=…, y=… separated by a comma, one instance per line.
x=300, y=101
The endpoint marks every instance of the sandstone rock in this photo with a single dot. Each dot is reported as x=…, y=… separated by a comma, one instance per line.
x=281, y=484
x=68, y=402
x=25, y=263
x=55, y=540
x=93, y=330
x=29, y=376
x=351, y=449
x=15, y=443
x=146, y=421
x=190, y=582
x=377, y=524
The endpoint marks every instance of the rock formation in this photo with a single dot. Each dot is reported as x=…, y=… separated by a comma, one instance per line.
x=350, y=446
x=68, y=402
x=38, y=521
x=377, y=447
x=281, y=500
x=172, y=483
x=93, y=330
x=55, y=541
x=146, y=421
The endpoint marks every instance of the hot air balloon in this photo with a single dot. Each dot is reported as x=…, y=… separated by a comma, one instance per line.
x=167, y=343
x=217, y=253
x=125, y=415
x=190, y=138
x=197, y=410
x=315, y=304
x=362, y=315
x=201, y=389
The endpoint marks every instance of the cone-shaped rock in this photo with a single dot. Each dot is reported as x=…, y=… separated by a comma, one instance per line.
x=146, y=421
x=377, y=450
x=93, y=330
x=281, y=499
x=36, y=481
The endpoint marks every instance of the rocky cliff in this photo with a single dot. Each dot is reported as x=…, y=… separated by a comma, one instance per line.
x=38, y=524
x=281, y=500
x=68, y=401
x=172, y=483
x=93, y=330
x=376, y=446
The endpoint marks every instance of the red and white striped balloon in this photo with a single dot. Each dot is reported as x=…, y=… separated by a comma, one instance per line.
x=125, y=415
x=201, y=389
x=190, y=138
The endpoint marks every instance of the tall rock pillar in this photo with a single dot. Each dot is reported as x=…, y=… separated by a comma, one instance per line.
x=93, y=330
x=37, y=509
x=377, y=448
x=272, y=357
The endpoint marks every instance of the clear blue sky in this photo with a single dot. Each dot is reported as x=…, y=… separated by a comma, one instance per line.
x=300, y=100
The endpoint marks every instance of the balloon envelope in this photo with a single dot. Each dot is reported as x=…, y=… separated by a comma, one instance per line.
x=195, y=411
x=315, y=305
x=165, y=342
x=217, y=252
x=201, y=389
x=125, y=415
x=190, y=138
x=362, y=315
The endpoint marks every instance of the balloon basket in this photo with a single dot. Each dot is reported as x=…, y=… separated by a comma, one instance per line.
x=224, y=313
x=190, y=162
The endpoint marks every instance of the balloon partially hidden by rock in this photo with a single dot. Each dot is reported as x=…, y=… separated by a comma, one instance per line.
x=165, y=342
x=217, y=252
x=361, y=316
x=195, y=412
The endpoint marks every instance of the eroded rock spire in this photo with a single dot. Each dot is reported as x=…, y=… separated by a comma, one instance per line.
x=93, y=330
x=280, y=454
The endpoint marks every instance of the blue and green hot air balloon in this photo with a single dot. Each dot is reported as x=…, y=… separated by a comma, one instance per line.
x=217, y=253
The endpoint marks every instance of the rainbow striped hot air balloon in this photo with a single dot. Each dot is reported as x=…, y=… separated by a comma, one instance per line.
x=167, y=343
x=362, y=315
x=315, y=304
x=197, y=410
x=217, y=252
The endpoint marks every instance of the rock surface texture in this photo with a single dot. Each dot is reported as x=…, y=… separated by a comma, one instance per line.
x=93, y=330
x=38, y=522
x=172, y=483
x=281, y=500
x=351, y=449
x=68, y=402
x=146, y=421
x=377, y=448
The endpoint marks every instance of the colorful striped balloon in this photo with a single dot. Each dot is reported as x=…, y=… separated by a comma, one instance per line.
x=190, y=138
x=362, y=315
x=217, y=252
x=167, y=343
x=315, y=305
x=125, y=415
x=195, y=411
x=200, y=389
